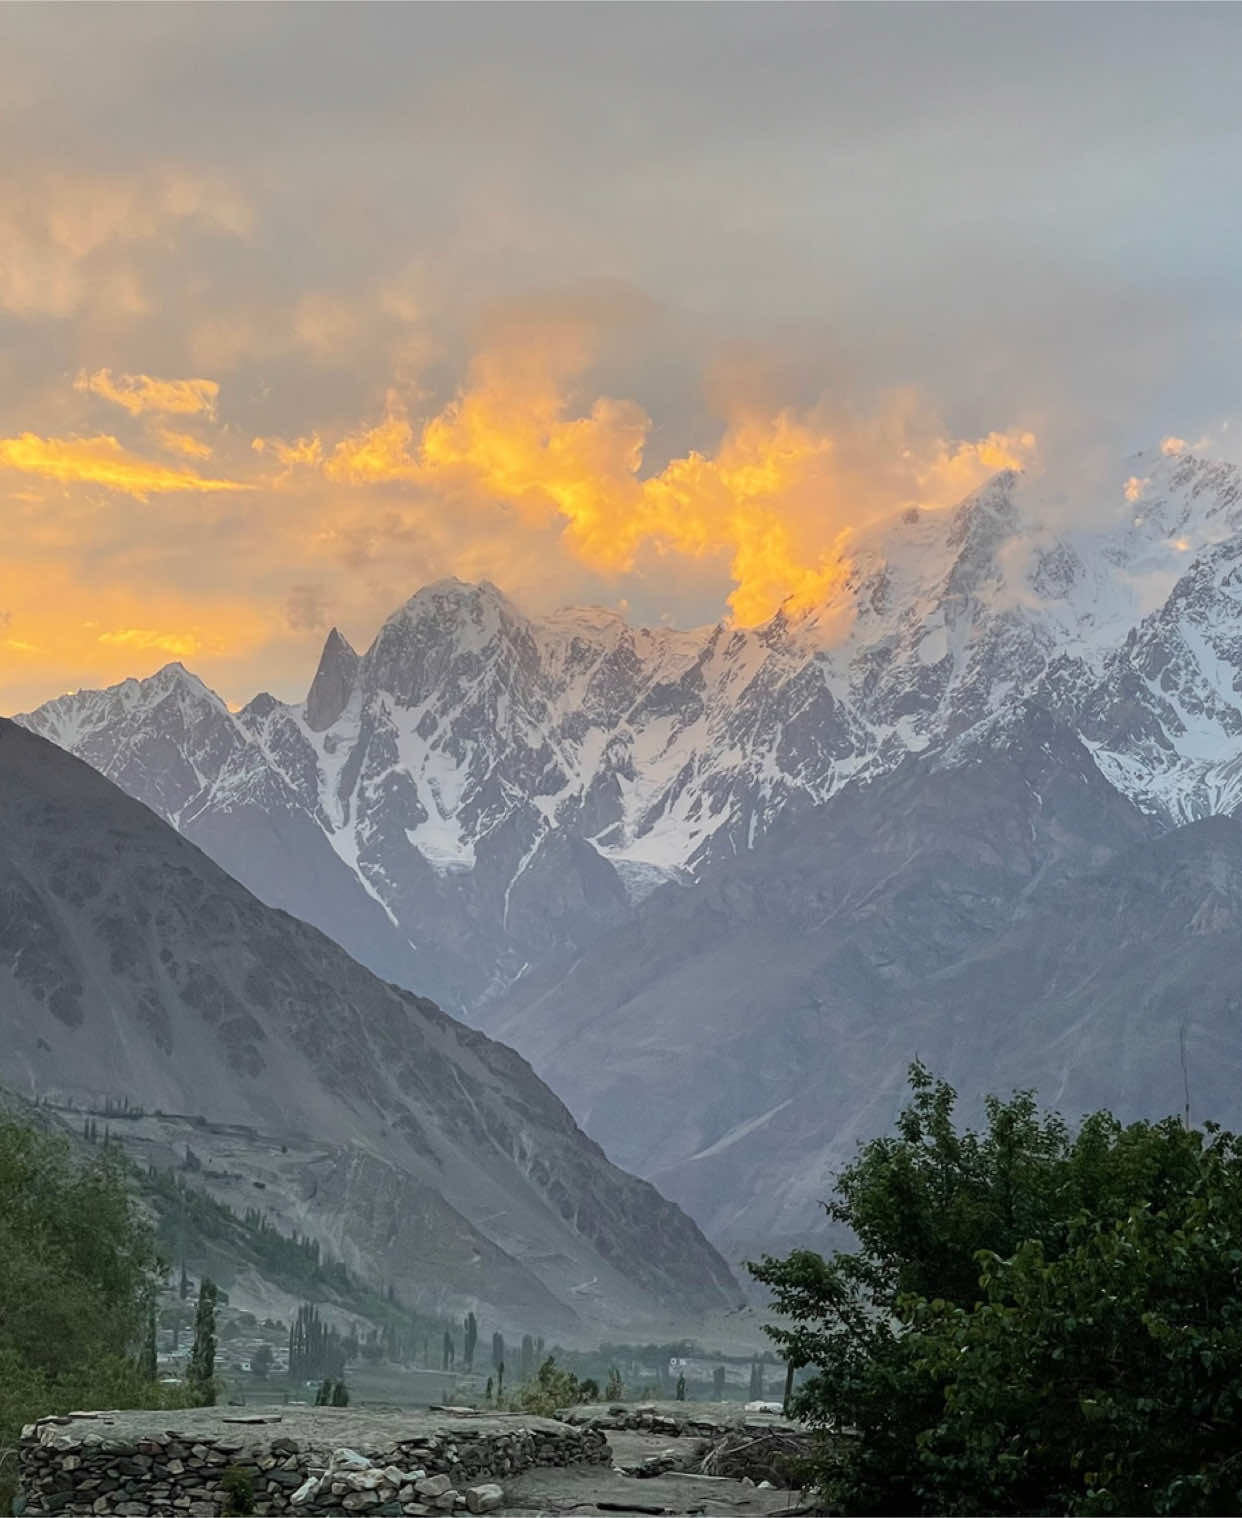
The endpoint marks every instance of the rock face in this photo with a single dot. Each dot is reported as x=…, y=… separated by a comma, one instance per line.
x=288, y=1461
x=1001, y=911
x=132, y=966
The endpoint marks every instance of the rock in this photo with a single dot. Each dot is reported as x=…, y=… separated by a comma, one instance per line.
x=355, y=1502
x=484, y=1499
x=431, y=1487
x=446, y=1503
x=349, y=1460
x=304, y=1493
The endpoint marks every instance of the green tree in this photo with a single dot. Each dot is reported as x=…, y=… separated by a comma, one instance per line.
x=1033, y=1320
x=679, y=1393
x=78, y=1276
x=470, y=1339
x=201, y=1371
x=340, y=1394
x=614, y=1388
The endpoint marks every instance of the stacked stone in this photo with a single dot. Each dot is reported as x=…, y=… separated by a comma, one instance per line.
x=71, y=1465
x=646, y=1419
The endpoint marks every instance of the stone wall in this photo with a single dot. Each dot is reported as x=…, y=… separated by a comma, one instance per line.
x=320, y=1460
x=674, y=1419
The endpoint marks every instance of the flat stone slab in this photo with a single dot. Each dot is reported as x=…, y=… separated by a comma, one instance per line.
x=700, y=1420
x=368, y=1430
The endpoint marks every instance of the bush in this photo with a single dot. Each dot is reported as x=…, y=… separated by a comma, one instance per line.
x=1032, y=1321
x=551, y=1389
x=238, y=1486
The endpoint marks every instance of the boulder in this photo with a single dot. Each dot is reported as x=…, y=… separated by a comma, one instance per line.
x=484, y=1499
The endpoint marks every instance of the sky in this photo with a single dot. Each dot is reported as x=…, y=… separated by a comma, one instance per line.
x=645, y=306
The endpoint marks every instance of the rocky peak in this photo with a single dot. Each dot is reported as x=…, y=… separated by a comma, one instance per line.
x=333, y=683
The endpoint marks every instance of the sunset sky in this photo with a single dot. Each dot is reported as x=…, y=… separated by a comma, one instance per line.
x=302, y=306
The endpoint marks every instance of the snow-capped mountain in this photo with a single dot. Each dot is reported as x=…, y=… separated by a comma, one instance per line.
x=481, y=791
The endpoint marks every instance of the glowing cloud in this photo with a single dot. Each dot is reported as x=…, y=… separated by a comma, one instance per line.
x=183, y=443
x=140, y=392
x=148, y=638
x=775, y=501
x=102, y=461
x=1172, y=445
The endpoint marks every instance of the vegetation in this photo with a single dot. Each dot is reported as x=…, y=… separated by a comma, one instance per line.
x=238, y=1486
x=78, y=1277
x=550, y=1389
x=1033, y=1321
x=201, y=1373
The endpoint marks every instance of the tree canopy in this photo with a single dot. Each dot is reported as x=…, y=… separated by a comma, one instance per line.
x=1033, y=1321
x=78, y=1276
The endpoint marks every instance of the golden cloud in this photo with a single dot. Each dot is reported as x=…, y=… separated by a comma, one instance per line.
x=183, y=443
x=775, y=500
x=182, y=644
x=102, y=461
x=140, y=392
x=302, y=451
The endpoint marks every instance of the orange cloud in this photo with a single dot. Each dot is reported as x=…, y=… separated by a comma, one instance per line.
x=182, y=644
x=183, y=443
x=102, y=461
x=139, y=392
x=775, y=500
x=304, y=450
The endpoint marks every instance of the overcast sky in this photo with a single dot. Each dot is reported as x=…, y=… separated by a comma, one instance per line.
x=302, y=305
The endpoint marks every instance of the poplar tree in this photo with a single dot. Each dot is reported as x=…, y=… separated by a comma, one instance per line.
x=202, y=1368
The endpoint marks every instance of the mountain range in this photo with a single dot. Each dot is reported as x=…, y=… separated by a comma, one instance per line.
x=720, y=885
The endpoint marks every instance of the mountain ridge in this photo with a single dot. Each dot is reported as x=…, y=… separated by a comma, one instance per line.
x=131, y=965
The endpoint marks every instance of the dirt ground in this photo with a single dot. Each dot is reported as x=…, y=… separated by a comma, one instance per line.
x=584, y=1489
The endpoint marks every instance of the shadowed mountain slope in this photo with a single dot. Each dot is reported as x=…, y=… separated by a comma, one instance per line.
x=132, y=966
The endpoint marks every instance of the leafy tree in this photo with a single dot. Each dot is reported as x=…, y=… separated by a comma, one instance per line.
x=340, y=1394
x=679, y=1393
x=78, y=1277
x=498, y=1349
x=1033, y=1321
x=614, y=1389
x=261, y=1361
x=201, y=1371
x=471, y=1338
x=526, y=1358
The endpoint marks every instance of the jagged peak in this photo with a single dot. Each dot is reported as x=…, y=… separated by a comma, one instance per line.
x=333, y=683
